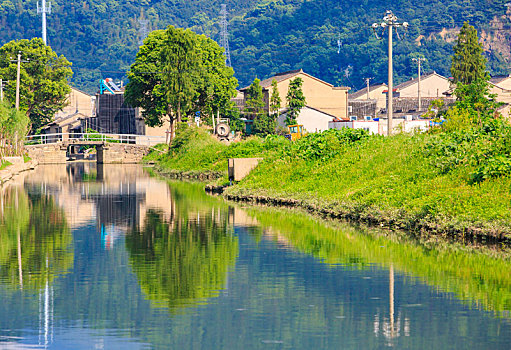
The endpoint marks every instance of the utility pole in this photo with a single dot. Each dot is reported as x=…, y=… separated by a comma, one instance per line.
x=419, y=60
x=18, y=82
x=43, y=10
x=367, y=84
x=224, y=35
x=18, y=74
x=390, y=21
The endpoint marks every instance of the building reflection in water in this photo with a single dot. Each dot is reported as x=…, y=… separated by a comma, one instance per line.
x=111, y=197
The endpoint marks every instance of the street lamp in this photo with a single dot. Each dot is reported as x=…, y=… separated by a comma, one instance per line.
x=389, y=21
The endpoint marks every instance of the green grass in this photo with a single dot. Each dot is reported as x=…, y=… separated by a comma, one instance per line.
x=390, y=177
x=406, y=181
x=4, y=164
x=195, y=150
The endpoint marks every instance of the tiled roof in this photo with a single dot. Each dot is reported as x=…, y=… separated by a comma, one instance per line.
x=498, y=79
x=363, y=92
x=415, y=80
x=266, y=83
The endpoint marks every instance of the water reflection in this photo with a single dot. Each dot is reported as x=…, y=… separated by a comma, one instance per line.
x=35, y=240
x=184, y=259
x=162, y=265
x=479, y=278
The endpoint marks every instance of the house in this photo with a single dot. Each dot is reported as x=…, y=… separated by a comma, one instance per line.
x=319, y=95
x=503, y=81
x=68, y=120
x=433, y=85
x=312, y=119
x=375, y=93
x=500, y=86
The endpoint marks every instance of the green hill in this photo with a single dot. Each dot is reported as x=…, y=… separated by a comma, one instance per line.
x=330, y=39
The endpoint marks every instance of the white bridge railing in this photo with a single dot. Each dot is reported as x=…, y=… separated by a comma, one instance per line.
x=94, y=137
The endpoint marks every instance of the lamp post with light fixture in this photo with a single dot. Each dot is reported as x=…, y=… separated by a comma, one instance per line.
x=389, y=21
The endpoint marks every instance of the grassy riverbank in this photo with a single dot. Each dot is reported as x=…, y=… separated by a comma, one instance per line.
x=447, y=181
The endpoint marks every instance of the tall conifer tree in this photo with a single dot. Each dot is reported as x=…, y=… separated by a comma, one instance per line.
x=468, y=63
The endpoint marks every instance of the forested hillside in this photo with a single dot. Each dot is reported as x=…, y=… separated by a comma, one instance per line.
x=331, y=39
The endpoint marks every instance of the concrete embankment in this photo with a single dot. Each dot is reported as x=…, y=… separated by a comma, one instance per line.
x=16, y=168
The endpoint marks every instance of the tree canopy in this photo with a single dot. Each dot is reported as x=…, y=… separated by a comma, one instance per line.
x=324, y=37
x=44, y=78
x=468, y=62
x=178, y=72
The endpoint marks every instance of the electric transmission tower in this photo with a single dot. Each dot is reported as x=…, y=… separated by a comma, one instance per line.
x=143, y=31
x=224, y=35
x=43, y=10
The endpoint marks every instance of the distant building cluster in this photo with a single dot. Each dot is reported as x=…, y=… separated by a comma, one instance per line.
x=327, y=106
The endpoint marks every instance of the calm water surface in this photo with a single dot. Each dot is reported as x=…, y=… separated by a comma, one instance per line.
x=111, y=258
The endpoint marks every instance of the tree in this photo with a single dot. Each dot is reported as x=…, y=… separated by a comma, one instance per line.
x=295, y=100
x=176, y=73
x=468, y=63
x=275, y=101
x=264, y=124
x=13, y=129
x=254, y=104
x=254, y=109
x=217, y=84
x=181, y=69
x=471, y=78
x=44, y=79
x=145, y=87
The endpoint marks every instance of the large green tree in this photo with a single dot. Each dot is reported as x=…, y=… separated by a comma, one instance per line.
x=295, y=100
x=176, y=73
x=468, y=62
x=44, y=78
x=145, y=87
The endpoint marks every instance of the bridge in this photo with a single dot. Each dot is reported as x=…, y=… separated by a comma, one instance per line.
x=110, y=148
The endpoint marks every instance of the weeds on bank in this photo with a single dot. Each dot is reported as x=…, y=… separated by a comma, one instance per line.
x=456, y=175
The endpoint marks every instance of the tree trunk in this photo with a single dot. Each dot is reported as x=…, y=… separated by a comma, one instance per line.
x=179, y=111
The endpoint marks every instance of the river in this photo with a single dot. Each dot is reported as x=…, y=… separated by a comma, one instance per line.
x=111, y=257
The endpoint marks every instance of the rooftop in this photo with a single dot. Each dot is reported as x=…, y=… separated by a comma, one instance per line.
x=415, y=80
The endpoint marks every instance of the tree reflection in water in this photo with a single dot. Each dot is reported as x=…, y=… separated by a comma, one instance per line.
x=35, y=240
x=183, y=257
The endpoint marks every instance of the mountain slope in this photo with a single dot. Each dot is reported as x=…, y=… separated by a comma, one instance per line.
x=101, y=37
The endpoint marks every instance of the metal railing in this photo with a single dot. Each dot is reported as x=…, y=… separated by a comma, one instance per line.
x=94, y=137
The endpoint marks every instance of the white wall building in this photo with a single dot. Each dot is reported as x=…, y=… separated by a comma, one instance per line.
x=369, y=125
x=313, y=120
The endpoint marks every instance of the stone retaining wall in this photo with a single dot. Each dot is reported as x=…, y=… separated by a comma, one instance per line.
x=15, y=169
x=109, y=153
